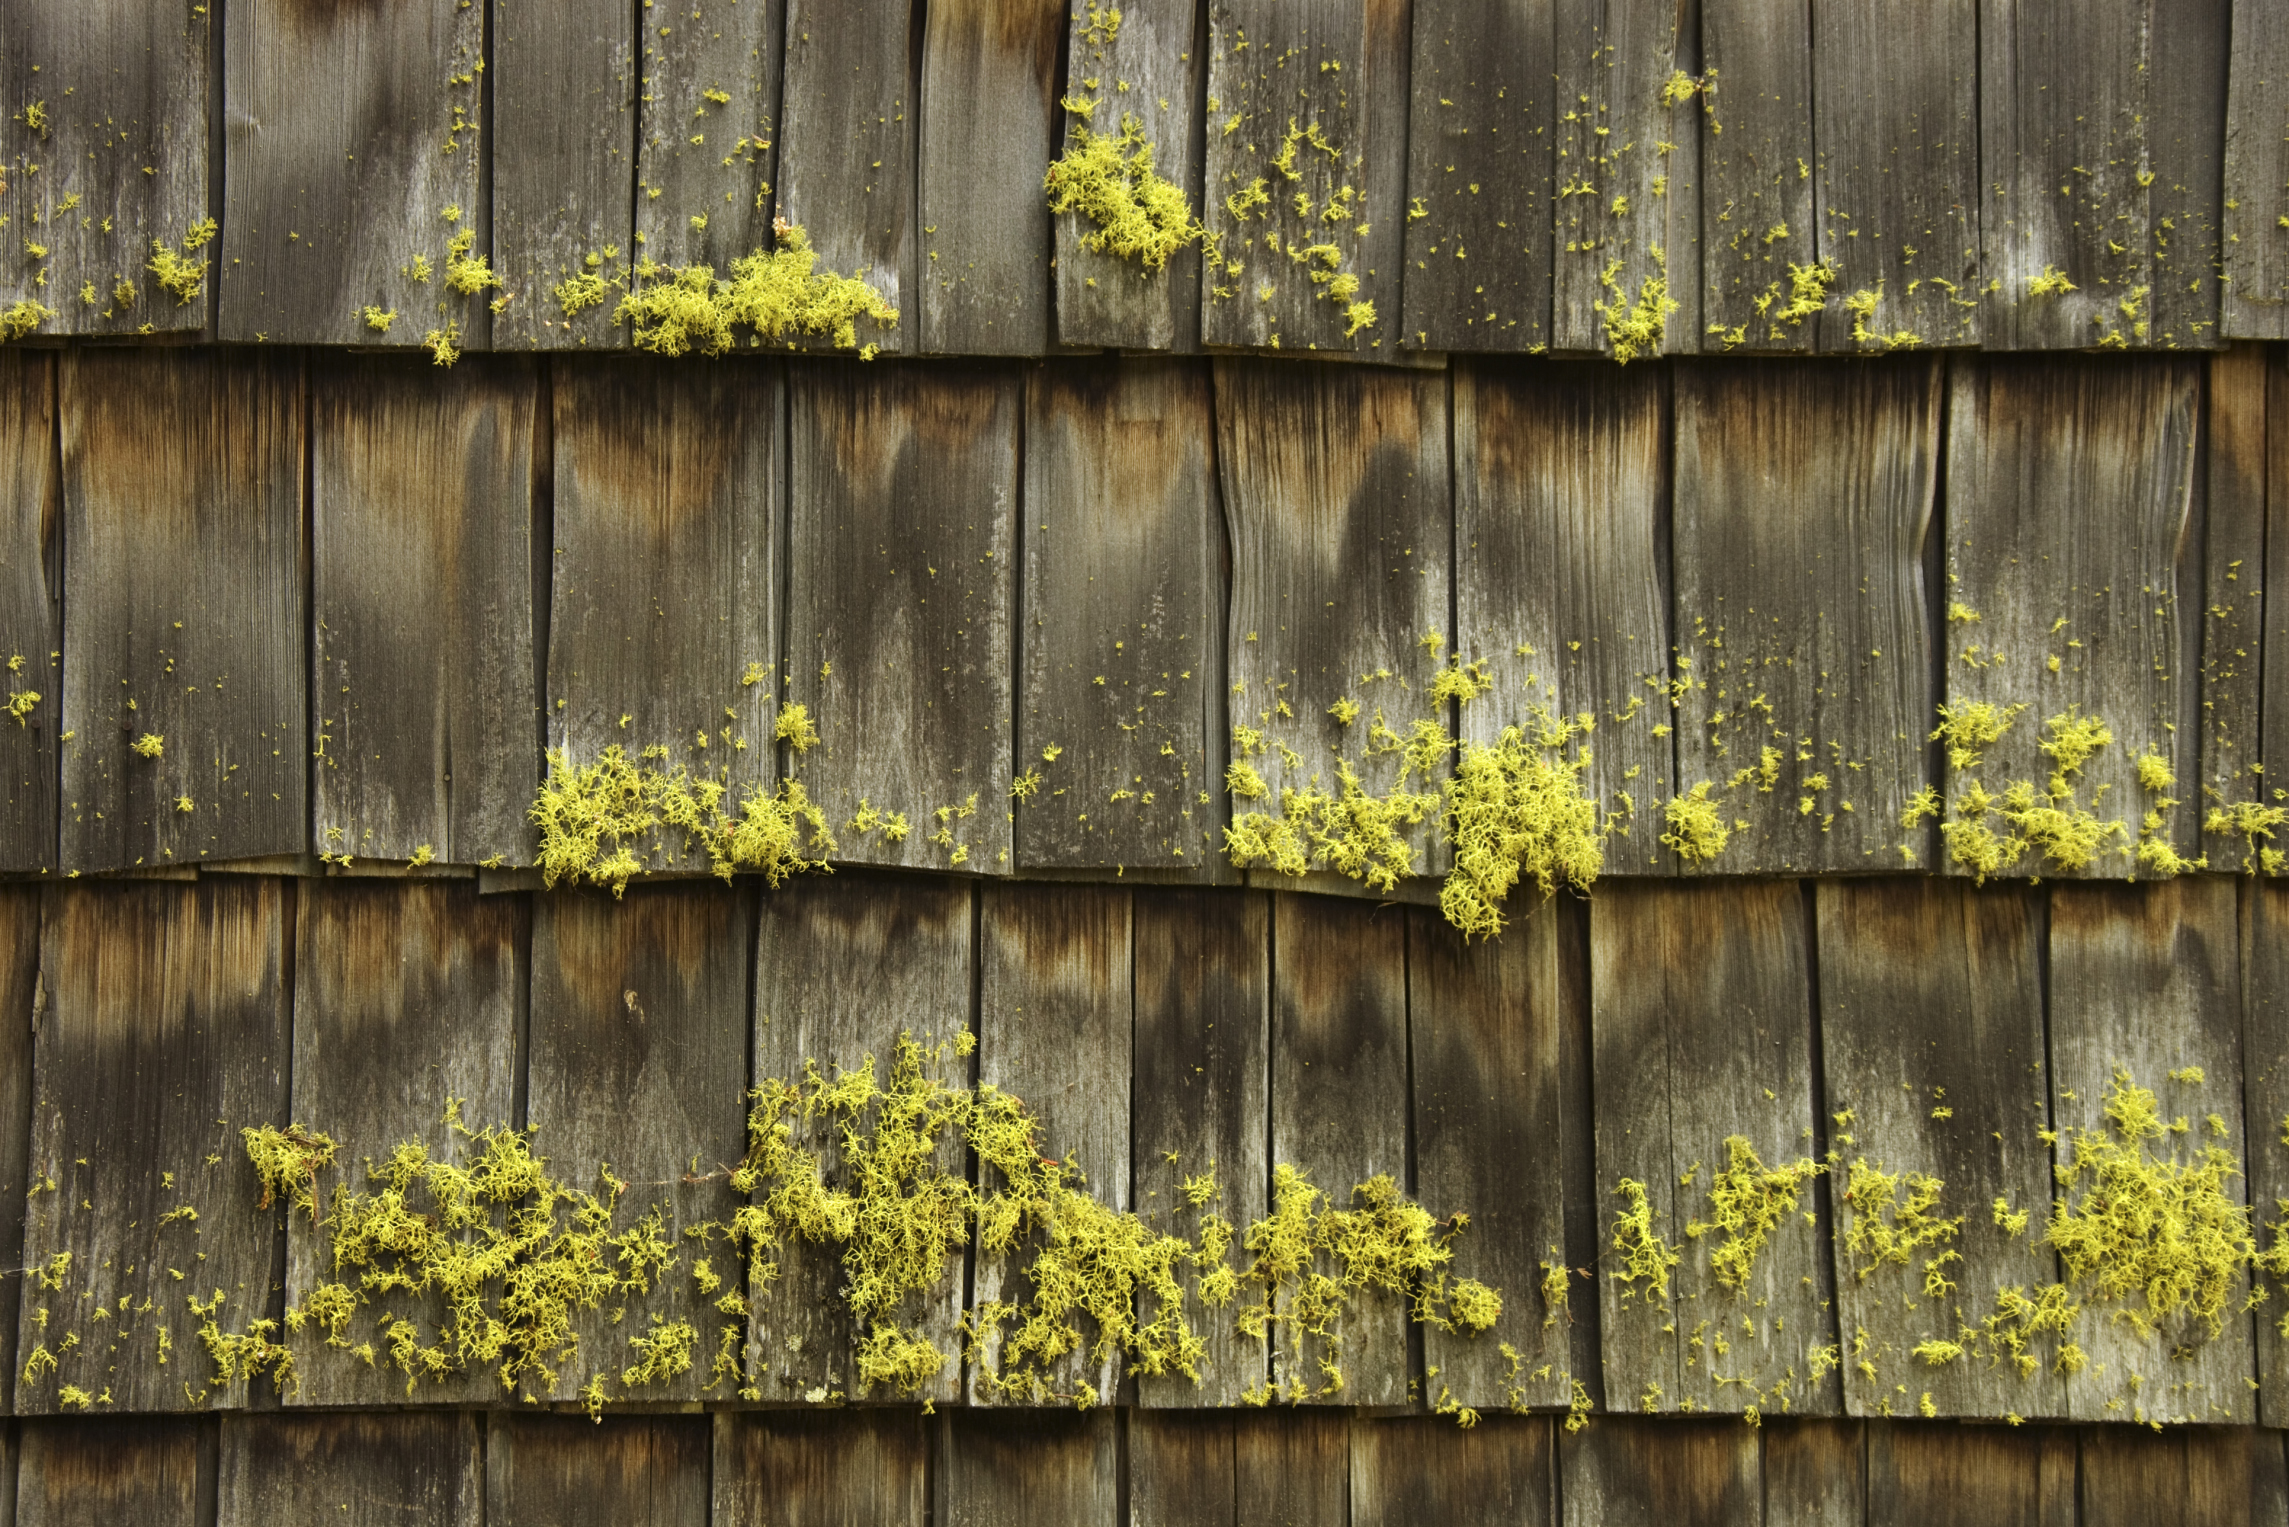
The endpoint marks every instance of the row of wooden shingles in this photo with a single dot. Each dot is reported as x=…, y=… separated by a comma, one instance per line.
x=894, y=1468
x=353, y=599
x=1159, y=1035
x=1489, y=177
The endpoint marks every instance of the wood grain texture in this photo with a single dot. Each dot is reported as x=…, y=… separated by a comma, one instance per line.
x=1483, y=98
x=1181, y=1468
x=564, y=1471
x=1815, y=1474
x=1702, y=1031
x=164, y=1032
x=1958, y=1476
x=638, y=1039
x=1291, y=1467
x=836, y=1468
x=1148, y=67
x=101, y=1470
x=31, y=611
x=351, y=131
x=1483, y=1029
x=1339, y=1115
x=707, y=131
x=843, y=967
x=901, y=564
x=1562, y=535
x=2273, y=706
x=1339, y=508
x=1006, y=1469
x=1122, y=619
x=1625, y=1472
x=1425, y=1468
x=2131, y=1475
x=2237, y=420
x=406, y=994
x=1055, y=977
x=564, y=141
x=2146, y=981
x=2071, y=490
x=2257, y=174
x=1757, y=198
x=1896, y=183
x=847, y=144
x=1803, y=499
x=1931, y=1026
x=421, y=537
x=2265, y=1083
x=183, y=598
x=126, y=89
x=19, y=991
x=361, y=1470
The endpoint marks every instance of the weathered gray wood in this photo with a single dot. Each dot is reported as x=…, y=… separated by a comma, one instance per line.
x=31, y=583
x=843, y=968
x=122, y=160
x=998, y=1469
x=1703, y=1032
x=2146, y=980
x=562, y=1471
x=183, y=597
x=1561, y=587
x=2274, y=704
x=564, y=138
x=638, y=1032
x=1482, y=93
x=19, y=990
x=1291, y=1467
x=1585, y=1214
x=350, y=134
x=1757, y=199
x=2257, y=174
x=406, y=994
x=2070, y=490
x=846, y=145
x=790, y=1469
x=1484, y=1027
x=1803, y=499
x=164, y=1032
x=421, y=535
x=2265, y=1082
x=101, y=1470
x=900, y=559
x=1339, y=1117
x=1122, y=619
x=361, y=1470
x=1896, y=180
x=1931, y=1025
x=1425, y=1468
x=707, y=120
x=1181, y=1468
x=1626, y=1472
x=1958, y=1476
x=1336, y=493
x=1055, y=977
x=1815, y=1474
x=2233, y=602
x=1146, y=67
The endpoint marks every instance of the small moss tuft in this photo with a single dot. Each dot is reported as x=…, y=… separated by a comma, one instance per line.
x=1109, y=179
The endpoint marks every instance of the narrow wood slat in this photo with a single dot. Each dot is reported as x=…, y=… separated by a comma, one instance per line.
x=1291, y=1467
x=100, y=1470
x=358, y=1469
x=790, y=1469
x=31, y=586
x=707, y=131
x=2274, y=704
x=1968, y=1476
x=2257, y=174
x=1425, y=1468
x=1002, y=1470
x=19, y=993
x=1660, y=1473
x=2233, y=603
x=1815, y=1474
x=2131, y=1475
x=563, y=1471
x=2265, y=1079
x=1181, y=1467
x=1758, y=202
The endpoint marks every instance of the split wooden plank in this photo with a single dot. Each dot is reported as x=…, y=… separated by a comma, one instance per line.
x=1803, y=500
x=1815, y=1474
x=1931, y=1023
x=102, y=1469
x=1970, y=1476
x=2071, y=490
x=1339, y=1118
x=638, y=1035
x=117, y=163
x=564, y=1471
x=1759, y=226
x=901, y=564
x=353, y=142
x=1643, y=1473
x=1561, y=558
x=2265, y=1080
x=1896, y=181
x=357, y=1469
x=1425, y=1468
x=1483, y=92
x=2256, y=276
x=1201, y=1079
x=824, y=1469
x=165, y=1032
x=2145, y=991
x=1122, y=619
x=407, y=994
x=1146, y=65
x=1181, y=1467
x=31, y=585
x=1703, y=1036
x=1002, y=1469
x=2238, y=419
x=707, y=132
x=844, y=968
x=183, y=601
x=1484, y=1029
x=19, y=998
x=847, y=144
x=564, y=141
x=1292, y=1467
x=1336, y=493
x=421, y=533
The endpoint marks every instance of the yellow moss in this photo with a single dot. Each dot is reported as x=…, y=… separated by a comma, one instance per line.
x=1109, y=179
x=288, y=1161
x=1698, y=831
x=1884, y=1231
x=1516, y=810
x=2051, y=283
x=1634, y=329
x=22, y=317
x=1970, y=727
x=21, y=703
x=1807, y=294
x=2251, y=822
x=795, y=728
x=779, y=294
x=1646, y=1257
x=149, y=745
x=444, y=344
x=2072, y=740
x=1748, y=1201
x=579, y=292
x=591, y=820
x=664, y=1352
x=466, y=273
x=176, y=270
x=378, y=319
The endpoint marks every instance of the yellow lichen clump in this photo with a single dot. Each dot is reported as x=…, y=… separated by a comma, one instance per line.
x=593, y=818
x=780, y=294
x=1748, y=1201
x=1109, y=179
x=176, y=270
x=1516, y=809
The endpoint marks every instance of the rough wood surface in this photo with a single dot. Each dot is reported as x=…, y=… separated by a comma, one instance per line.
x=1425, y=1468
x=103, y=1470
x=1180, y=1470
x=2265, y=1082
x=1622, y=1472
x=2071, y=487
x=998, y=1469
x=564, y=1471
x=1815, y=1474
x=2237, y=421
x=350, y=132
x=564, y=138
x=359, y=1470
x=19, y=990
x=1561, y=573
x=2274, y=705
x=1482, y=100
x=2257, y=174
x=707, y=131
x=126, y=88
x=421, y=537
x=183, y=598
x=163, y=1033
x=900, y=575
x=31, y=611
x=1122, y=619
x=777, y=1468
x=1757, y=196
x=1291, y=1467
x=1959, y=1476
x=1803, y=500
x=2130, y=1475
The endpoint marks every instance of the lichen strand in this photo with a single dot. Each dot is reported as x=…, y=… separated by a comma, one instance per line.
x=1109, y=179
x=1635, y=327
x=1748, y=1201
x=600, y=822
x=176, y=270
x=780, y=295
